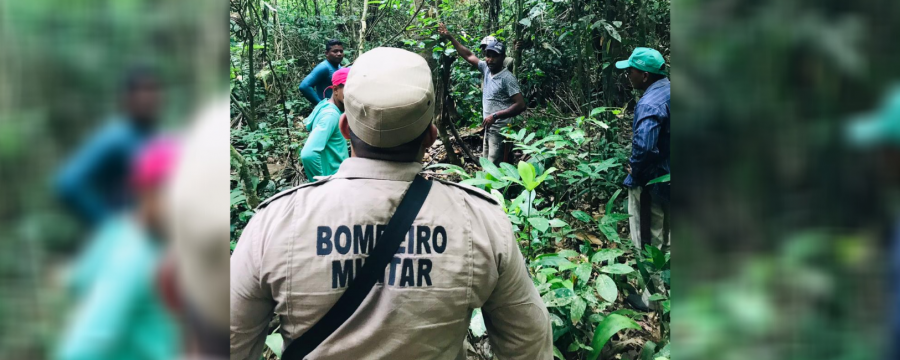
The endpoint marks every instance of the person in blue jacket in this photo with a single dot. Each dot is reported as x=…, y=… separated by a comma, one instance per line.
x=92, y=183
x=315, y=87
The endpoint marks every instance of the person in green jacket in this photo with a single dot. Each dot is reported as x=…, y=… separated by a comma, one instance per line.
x=325, y=147
x=121, y=314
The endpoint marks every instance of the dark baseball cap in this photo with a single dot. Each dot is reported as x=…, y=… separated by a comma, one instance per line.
x=496, y=46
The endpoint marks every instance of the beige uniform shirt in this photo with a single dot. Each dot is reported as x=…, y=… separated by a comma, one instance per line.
x=299, y=252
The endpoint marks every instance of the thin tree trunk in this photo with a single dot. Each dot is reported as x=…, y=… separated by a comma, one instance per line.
x=251, y=76
x=362, y=28
x=244, y=173
x=519, y=31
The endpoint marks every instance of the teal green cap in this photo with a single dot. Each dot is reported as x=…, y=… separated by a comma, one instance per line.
x=644, y=59
x=880, y=127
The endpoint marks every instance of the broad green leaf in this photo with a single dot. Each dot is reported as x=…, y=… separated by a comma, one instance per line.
x=607, y=289
x=490, y=168
x=610, y=232
x=568, y=253
x=617, y=269
x=629, y=313
x=664, y=178
x=526, y=171
x=597, y=111
x=577, y=309
x=549, y=260
x=539, y=223
x=583, y=216
x=528, y=138
x=499, y=196
x=543, y=176
x=606, y=255
x=510, y=171
x=606, y=329
x=657, y=297
x=477, y=324
x=666, y=305
x=656, y=255
x=558, y=297
x=526, y=22
x=648, y=351
x=583, y=272
x=275, y=342
x=567, y=266
x=558, y=223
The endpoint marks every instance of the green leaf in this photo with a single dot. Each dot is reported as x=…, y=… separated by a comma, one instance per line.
x=664, y=178
x=526, y=22
x=477, y=324
x=558, y=354
x=558, y=223
x=607, y=289
x=558, y=297
x=657, y=297
x=526, y=171
x=543, y=176
x=609, y=204
x=577, y=309
x=583, y=216
x=606, y=255
x=510, y=171
x=648, y=351
x=539, y=223
x=597, y=111
x=666, y=305
x=583, y=272
x=656, y=255
x=528, y=138
x=490, y=168
x=617, y=269
x=606, y=329
x=568, y=253
x=275, y=342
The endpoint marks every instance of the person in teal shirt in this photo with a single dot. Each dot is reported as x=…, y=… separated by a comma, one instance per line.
x=325, y=147
x=314, y=86
x=121, y=314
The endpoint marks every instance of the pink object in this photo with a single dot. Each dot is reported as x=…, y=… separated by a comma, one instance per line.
x=339, y=77
x=154, y=163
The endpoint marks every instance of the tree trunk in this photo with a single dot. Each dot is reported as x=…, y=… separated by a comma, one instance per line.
x=362, y=29
x=519, y=30
x=251, y=76
x=244, y=173
x=493, y=15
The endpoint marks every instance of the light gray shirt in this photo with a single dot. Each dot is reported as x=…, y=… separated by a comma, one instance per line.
x=498, y=89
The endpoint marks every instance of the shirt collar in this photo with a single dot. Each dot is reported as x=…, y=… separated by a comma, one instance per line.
x=356, y=167
x=658, y=84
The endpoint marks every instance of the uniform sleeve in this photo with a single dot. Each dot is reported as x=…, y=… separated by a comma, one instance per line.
x=252, y=305
x=644, y=150
x=311, y=154
x=516, y=317
x=74, y=184
x=308, y=85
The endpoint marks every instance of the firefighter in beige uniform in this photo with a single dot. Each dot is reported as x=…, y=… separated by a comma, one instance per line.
x=300, y=251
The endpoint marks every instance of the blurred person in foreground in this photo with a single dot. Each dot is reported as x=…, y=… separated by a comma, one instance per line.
x=316, y=85
x=93, y=182
x=194, y=276
x=879, y=132
x=648, y=204
x=121, y=315
x=299, y=253
x=326, y=148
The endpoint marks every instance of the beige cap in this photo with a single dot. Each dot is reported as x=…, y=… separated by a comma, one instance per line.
x=389, y=97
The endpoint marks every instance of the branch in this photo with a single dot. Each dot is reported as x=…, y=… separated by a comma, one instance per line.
x=403, y=29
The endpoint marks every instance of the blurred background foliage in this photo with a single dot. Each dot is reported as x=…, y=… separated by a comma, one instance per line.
x=779, y=226
x=61, y=68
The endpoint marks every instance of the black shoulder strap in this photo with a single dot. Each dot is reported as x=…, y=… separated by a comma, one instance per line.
x=373, y=269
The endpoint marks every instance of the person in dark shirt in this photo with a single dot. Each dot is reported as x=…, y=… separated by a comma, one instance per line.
x=315, y=86
x=648, y=203
x=92, y=183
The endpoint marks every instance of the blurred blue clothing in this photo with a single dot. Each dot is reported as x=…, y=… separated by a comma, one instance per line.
x=319, y=78
x=650, y=142
x=122, y=315
x=97, y=254
x=93, y=182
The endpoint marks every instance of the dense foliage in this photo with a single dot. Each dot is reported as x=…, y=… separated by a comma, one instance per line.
x=562, y=189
